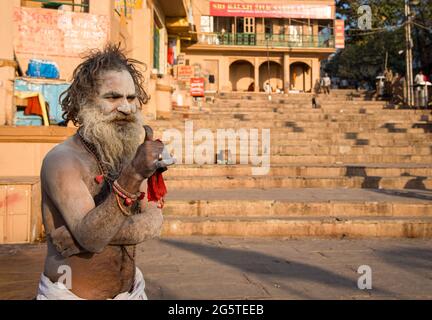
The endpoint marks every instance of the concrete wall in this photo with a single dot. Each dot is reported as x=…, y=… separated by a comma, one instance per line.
x=6, y=52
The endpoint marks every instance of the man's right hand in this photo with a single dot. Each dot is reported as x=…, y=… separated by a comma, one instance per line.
x=146, y=160
x=150, y=156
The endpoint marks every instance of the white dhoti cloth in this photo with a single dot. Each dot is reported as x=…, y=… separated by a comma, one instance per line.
x=58, y=291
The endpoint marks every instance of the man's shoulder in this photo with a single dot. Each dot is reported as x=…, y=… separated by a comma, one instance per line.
x=63, y=156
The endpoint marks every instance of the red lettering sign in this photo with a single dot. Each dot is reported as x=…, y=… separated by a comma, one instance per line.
x=197, y=87
x=268, y=10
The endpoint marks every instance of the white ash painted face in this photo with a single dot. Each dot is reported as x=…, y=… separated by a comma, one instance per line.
x=117, y=93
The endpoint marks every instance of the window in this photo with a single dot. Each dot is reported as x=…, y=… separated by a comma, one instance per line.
x=206, y=24
x=223, y=24
x=249, y=25
x=268, y=26
x=295, y=34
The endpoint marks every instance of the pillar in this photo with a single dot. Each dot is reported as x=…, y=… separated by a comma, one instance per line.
x=256, y=75
x=224, y=73
x=286, y=72
x=316, y=66
x=315, y=33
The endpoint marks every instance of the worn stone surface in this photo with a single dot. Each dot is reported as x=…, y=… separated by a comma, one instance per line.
x=246, y=268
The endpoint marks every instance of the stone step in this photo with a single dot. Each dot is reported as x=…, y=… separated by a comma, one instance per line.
x=334, y=150
x=366, y=124
x=306, y=131
x=285, y=209
x=307, y=126
x=328, y=159
x=235, y=103
x=277, y=142
x=344, y=149
x=280, y=115
x=325, y=115
x=317, y=113
x=350, y=159
x=277, y=98
x=274, y=181
x=306, y=109
x=301, y=103
x=393, y=170
x=318, y=227
x=283, y=134
x=299, y=213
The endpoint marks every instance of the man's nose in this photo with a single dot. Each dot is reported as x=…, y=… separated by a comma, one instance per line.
x=126, y=108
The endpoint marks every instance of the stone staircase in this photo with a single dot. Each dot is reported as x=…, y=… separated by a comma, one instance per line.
x=351, y=168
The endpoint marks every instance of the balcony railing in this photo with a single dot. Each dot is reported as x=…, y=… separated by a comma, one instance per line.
x=264, y=40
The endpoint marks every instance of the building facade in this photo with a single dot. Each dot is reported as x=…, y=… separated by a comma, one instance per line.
x=241, y=46
x=62, y=31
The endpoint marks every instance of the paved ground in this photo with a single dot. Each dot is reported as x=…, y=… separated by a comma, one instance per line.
x=233, y=268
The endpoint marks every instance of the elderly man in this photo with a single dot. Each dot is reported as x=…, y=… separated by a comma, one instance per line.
x=91, y=185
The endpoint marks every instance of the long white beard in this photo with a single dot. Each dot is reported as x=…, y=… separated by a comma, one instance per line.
x=116, y=144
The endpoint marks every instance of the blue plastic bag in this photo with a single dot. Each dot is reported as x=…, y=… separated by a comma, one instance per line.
x=43, y=69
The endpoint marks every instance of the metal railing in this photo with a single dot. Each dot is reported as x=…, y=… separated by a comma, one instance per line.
x=265, y=39
x=57, y=3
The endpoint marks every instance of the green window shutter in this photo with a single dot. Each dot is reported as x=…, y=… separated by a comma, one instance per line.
x=156, y=45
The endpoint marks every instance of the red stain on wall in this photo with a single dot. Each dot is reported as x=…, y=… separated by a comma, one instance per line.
x=10, y=200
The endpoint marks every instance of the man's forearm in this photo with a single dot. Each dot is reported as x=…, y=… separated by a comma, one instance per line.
x=134, y=230
x=101, y=224
x=139, y=227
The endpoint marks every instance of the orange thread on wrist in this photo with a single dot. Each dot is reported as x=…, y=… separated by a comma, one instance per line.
x=123, y=211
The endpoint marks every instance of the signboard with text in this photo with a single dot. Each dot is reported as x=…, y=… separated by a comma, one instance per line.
x=58, y=33
x=184, y=73
x=197, y=87
x=271, y=10
x=339, y=34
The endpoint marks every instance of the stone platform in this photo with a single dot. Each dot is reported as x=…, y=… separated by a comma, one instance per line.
x=238, y=268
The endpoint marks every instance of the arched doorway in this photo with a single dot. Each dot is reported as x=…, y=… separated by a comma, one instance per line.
x=300, y=77
x=241, y=75
x=276, y=75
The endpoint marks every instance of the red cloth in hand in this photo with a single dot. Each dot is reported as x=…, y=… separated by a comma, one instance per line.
x=156, y=188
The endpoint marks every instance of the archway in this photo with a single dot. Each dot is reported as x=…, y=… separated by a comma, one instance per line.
x=276, y=75
x=241, y=75
x=300, y=77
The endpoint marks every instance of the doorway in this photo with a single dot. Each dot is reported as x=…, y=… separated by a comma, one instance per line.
x=300, y=77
